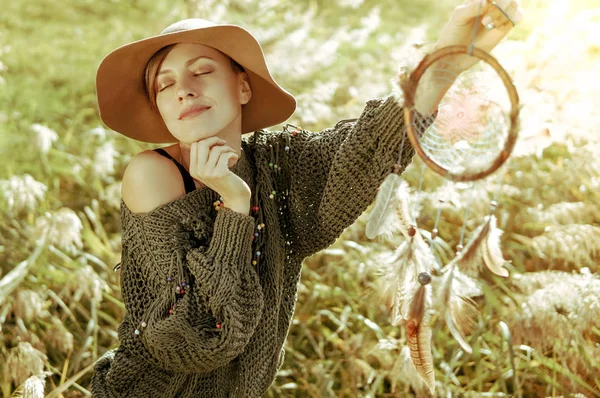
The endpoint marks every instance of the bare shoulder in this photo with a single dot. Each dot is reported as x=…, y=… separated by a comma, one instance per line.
x=150, y=180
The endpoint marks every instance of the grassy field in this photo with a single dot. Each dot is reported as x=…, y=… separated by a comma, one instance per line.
x=537, y=333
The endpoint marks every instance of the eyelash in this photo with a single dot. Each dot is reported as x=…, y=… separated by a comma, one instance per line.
x=195, y=74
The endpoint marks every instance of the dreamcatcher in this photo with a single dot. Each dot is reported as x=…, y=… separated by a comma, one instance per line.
x=471, y=135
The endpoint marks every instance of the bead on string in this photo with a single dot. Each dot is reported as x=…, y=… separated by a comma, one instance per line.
x=256, y=254
x=138, y=331
x=219, y=204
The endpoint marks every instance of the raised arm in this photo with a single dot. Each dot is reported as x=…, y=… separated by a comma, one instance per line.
x=211, y=322
x=335, y=173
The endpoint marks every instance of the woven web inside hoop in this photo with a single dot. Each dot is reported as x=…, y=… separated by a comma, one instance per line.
x=473, y=120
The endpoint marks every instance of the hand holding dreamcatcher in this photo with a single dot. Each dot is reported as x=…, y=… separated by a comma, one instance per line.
x=469, y=135
x=481, y=24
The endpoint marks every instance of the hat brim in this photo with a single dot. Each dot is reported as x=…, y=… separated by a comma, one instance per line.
x=125, y=107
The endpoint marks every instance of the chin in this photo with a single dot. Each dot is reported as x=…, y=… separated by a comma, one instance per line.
x=200, y=129
x=198, y=136
x=195, y=133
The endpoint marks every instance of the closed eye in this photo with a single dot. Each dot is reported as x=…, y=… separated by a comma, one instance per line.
x=171, y=84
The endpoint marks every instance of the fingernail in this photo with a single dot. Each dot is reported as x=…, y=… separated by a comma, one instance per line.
x=486, y=20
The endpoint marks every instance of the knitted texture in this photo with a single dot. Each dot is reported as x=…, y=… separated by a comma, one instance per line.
x=210, y=295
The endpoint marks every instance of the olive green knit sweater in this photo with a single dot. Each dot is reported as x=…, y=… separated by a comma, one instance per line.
x=210, y=294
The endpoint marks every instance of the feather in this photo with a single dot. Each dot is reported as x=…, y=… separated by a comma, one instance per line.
x=404, y=219
x=457, y=309
x=491, y=250
x=423, y=256
x=408, y=300
x=417, y=323
x=393, y=280
x=416, y=309
x=401, y=274
x=410, y=374
x=447, y=298
x=407, y=281
x=419, y=343
x=393, y=194
x=470, y=257
x=464, y=312
x=380, y=217
x=465, y=286
x=456, y=332
x=484, y=248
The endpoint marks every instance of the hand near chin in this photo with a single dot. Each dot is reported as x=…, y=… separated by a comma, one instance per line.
x=209, y=164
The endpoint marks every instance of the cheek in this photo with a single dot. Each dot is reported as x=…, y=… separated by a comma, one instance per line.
x=163, y=108
x=233, y=95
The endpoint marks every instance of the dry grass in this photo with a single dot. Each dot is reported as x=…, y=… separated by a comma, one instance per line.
x=537, y=333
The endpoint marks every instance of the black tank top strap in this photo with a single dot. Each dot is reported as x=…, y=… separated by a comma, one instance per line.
x=188, y=181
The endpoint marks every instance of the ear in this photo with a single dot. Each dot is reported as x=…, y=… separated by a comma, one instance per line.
x=245, y=90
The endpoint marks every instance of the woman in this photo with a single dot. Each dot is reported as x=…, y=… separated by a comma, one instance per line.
x=215, y=226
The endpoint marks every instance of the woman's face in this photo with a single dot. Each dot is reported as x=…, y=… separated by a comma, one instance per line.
x=199, y=95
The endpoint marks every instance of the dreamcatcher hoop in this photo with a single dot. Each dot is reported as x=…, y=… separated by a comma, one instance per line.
x=410, y=87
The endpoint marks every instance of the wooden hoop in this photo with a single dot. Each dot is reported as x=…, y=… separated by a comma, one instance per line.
x=410, y=87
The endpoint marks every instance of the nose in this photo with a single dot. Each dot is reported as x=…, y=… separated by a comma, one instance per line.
x=185, y=90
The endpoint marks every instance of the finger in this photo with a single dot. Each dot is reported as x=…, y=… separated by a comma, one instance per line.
x=223, y=162
x=202, y=156
x=500, y=13
x=209, y=142
x=495, y=21
x=511, y=15
x=194, y=159
x=204, y=148
x=500, y=3
x=215, y=154
x=516, y=12
x=465, y=13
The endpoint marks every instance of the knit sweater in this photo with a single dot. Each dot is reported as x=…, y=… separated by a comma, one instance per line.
x=209, y=292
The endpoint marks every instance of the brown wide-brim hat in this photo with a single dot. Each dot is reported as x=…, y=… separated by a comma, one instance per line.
x=120, y=81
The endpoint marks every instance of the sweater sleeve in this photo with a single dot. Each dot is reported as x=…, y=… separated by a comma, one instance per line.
x=204, y=323
x=335, y=173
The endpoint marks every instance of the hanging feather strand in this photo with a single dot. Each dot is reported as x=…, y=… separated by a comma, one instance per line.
x=400, y=276
x=407, y=293
x=484, y=248
x=419, y=343
x=417, y=322
x=418, y=331
x=451, y=309
x=464, y=313
x=405, y=221
x=491, y=250
x=390, y=213
x=393, y=280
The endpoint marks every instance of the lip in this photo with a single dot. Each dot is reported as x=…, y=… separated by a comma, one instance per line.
x=193, y=111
